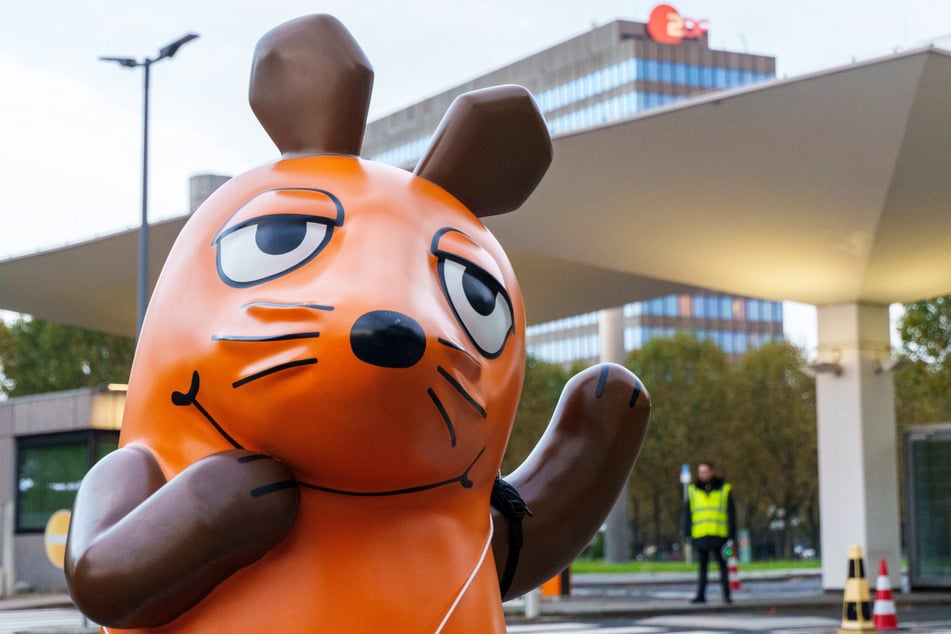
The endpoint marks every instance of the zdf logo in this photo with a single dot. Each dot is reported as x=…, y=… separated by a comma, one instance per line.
x=667, y=26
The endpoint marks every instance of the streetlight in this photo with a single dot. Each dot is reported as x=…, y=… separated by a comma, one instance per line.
x=166, y=51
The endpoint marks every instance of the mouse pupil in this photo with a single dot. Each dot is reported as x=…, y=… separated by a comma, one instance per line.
x=478, y=293
x=280, y=236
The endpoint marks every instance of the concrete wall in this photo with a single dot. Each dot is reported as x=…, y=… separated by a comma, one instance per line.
x=58, y=412
x=33, y=567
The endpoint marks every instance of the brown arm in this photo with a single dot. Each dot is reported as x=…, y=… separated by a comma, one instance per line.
x=573, y=477
x=142, y=551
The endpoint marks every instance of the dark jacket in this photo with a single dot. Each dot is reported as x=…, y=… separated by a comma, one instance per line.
x=714, y=483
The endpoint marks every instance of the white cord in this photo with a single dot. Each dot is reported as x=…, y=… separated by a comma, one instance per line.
x=462, y=592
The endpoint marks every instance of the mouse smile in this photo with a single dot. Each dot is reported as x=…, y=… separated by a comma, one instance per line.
x=190, y=398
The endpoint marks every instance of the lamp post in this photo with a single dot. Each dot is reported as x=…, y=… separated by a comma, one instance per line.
x=685, y=480
x=142, y=284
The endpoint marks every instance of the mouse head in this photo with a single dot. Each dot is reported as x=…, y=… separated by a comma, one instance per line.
x=357, y=321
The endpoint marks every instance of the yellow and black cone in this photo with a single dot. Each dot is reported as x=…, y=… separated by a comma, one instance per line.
x=856, y=602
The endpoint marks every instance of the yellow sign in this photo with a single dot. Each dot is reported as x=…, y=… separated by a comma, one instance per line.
x=55, y=537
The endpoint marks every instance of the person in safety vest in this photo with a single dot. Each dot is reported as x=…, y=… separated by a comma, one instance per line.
x=711, y=523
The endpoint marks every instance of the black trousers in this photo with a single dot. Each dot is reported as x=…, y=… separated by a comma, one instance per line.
x=705, y=546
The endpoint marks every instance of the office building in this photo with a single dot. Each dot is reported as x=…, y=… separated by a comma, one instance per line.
x=609, y=73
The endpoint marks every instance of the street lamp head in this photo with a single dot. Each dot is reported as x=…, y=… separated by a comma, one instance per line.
x=128, y=62
x=171, y=48
x=685, y=474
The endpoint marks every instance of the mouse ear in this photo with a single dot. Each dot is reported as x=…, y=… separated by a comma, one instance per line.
x=490, y=150
x=310, y=87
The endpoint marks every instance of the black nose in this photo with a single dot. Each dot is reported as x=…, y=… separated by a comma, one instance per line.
x=387, y=339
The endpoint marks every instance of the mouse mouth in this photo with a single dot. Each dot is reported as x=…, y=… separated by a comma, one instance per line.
x=462, y=479
x=190, y=399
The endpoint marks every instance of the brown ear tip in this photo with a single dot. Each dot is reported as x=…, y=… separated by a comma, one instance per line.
x=314, y=24
x=491, y=149
x=310, y=86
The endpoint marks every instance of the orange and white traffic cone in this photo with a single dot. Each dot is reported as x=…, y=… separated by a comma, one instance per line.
x=734, y=573
x=883, y=614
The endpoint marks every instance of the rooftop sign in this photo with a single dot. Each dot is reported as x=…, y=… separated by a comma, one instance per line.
x=667, y=26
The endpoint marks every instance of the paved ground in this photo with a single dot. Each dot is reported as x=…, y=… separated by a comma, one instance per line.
x=611, y=596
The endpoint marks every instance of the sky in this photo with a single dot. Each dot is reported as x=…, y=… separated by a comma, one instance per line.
x=71, y=125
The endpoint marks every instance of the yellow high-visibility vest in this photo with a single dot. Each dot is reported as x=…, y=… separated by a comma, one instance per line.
x=708, y=512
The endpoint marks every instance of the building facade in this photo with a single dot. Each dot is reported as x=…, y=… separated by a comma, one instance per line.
x=47, y=444
x=610, y=73
x=736, y=324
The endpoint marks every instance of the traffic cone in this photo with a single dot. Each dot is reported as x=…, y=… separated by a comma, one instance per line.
x=856, y=607
x=884, y=614
x=734, y=572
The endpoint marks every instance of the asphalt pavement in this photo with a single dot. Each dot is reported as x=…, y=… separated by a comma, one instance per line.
x=648, y=594
x=623, y=595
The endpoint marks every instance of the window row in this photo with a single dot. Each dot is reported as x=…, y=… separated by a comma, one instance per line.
x=631, y=70
x=708, y=307
x=618, y=107
x=731, y=342
x=559, y=325
x=613, y=109
x=49, y=470
x=568, y=349
x=405, y=154
x=587, y=346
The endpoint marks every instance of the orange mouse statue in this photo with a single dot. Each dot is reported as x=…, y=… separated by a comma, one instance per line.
x=326, y=380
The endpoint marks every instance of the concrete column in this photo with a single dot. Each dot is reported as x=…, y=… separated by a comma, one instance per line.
x=858, y=479
x=617, y=536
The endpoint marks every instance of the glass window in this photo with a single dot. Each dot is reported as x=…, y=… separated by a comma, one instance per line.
x=679, y=73
x=739, y=308
x=726, y=308
x=670, y=305
x=685, y=308
x=930, y=509
x=719, y=78
x=633, y=338
x=693, y=75
x=49, y=470
x=698, y=306
x=647, y=70
x=753, y=309
x=594, y=345
x=739, y=342
x=727, y=342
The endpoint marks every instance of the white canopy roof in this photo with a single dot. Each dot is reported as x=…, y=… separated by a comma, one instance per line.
x=828, y=188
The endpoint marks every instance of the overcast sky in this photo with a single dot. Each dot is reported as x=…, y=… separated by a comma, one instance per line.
x=71, y=126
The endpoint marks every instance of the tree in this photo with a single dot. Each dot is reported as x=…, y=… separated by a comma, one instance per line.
x=690, y=382
x=921, y=388
x=773, y=449
x=540, y=391
x=42, y=356
x=925, y=330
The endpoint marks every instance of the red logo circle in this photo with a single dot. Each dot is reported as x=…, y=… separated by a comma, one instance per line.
x=665, y=25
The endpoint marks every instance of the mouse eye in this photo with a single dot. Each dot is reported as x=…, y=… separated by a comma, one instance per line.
x=267, y=247
x=480, y=304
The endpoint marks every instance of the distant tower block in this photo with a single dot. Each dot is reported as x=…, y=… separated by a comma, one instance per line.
x=201, y=186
